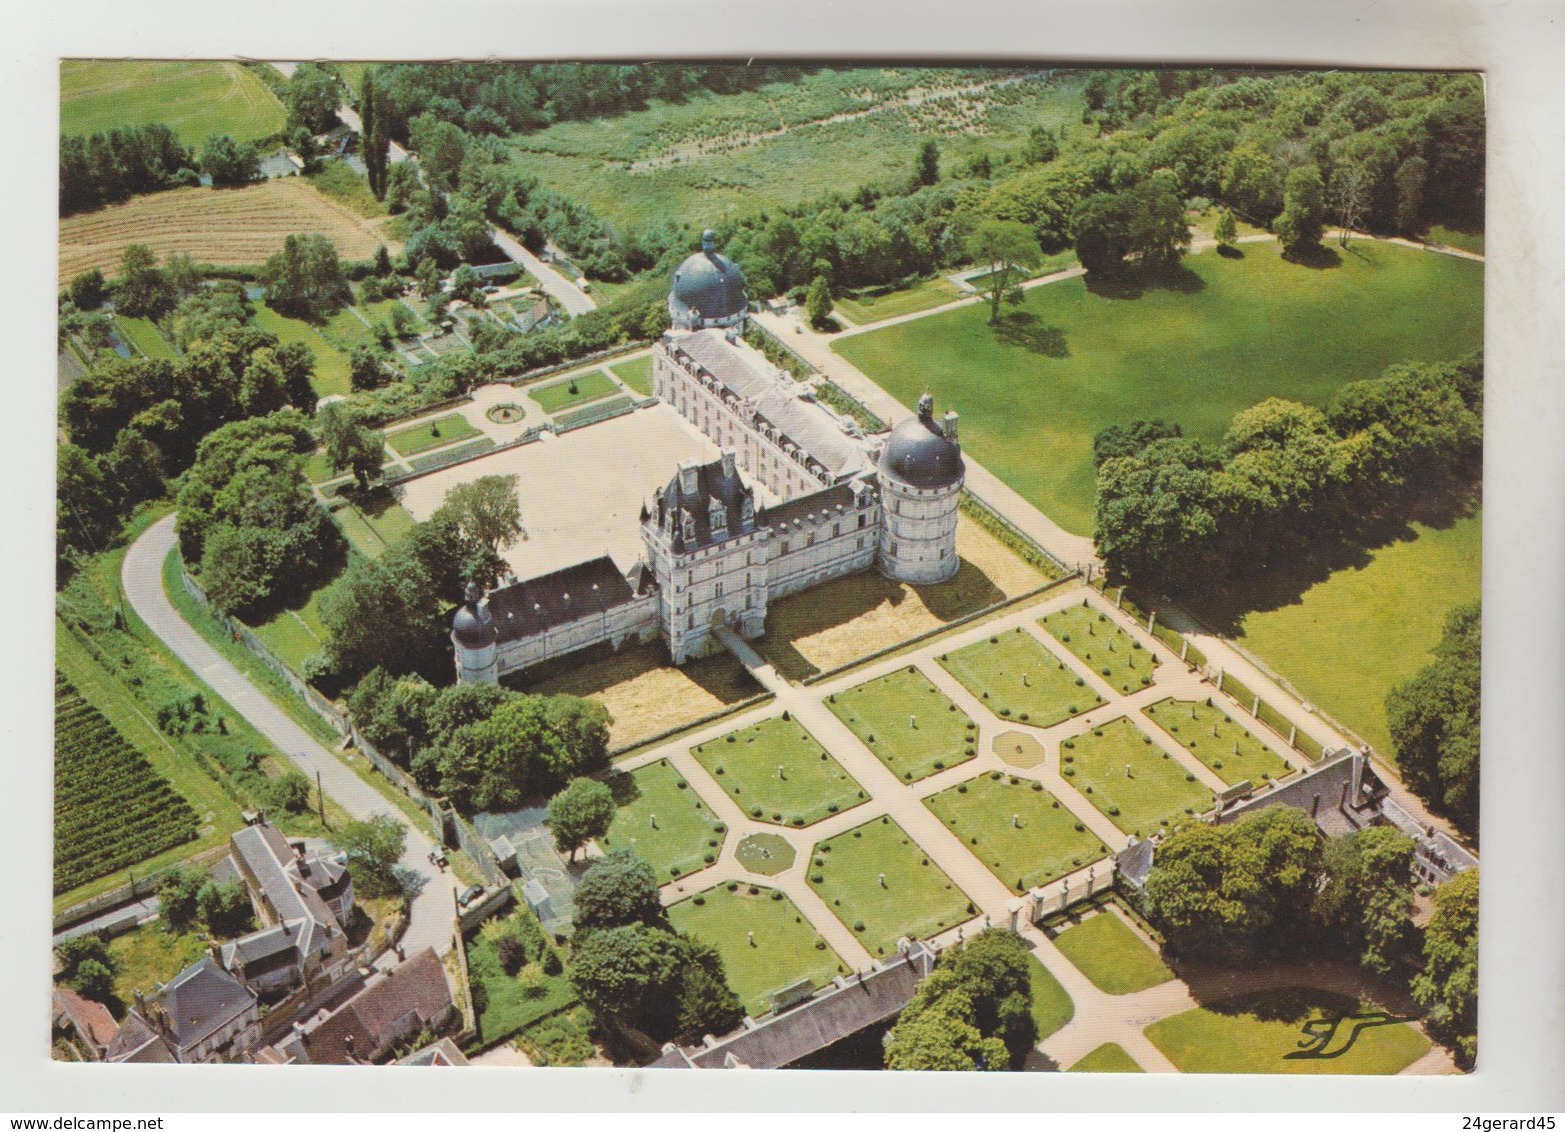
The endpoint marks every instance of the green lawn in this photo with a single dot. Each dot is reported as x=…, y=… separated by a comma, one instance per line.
x=636, y=374
x=144, y=337
x=573, y=391
x=1016, y=828
x=1107, y=1058
x=1068, y=362
x=917, y=899
x=331, y=364
x=777, y=772
x=1103, y=646
x=664, y=821
x=876, y=303
x=1157, y=790
x=194, y=99
x=1462, y=239
x=511, y=1004
x=373, y=527
x=1111, y=955
x=1218, y=740
x=1269, y=1035
x=766, y=944
x=1052, y=1007
x=150, y=955
x=418, y=438
x=910, y=725
x=1354, y=636
x=448, y=456
x=1017, y=678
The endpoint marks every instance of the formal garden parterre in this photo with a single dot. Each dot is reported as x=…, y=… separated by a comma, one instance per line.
x=1019, y=680
x=910, y=725
x=1105, y=647
x=1018, y=829
x=1222, y=744
x=777, y=772
x=1135, y=783
x=663, y=821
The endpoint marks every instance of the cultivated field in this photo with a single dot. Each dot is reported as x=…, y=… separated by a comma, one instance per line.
x=225, y=226
x=194, y=99
x=1067, y=362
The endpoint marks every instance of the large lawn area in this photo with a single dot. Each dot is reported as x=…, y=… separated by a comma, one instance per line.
x=1288, y=1032
x=194, y=99
x=766, y=944
x=331, y=364
x=910, y=725
x=1107, y=1058
x=1349, y=639
x=1136, y=784
x=664, y=821
x=1218, y=740
x=1067, y=362
x=916, y=900
x=1016, y=828
x=778, y=773
x=636, y=373
x=418, y=438
x=1106, y=648
x=878, y=303
x=1019, y=679
x=1111, y=955
x=151, y=955
x=573, y=391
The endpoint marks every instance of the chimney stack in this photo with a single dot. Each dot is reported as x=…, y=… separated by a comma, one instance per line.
x=687, y=478
x=728, y=463
x=950, y=426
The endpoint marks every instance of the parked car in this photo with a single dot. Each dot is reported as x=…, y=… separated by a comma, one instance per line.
x=437, y=857
x=473, y=892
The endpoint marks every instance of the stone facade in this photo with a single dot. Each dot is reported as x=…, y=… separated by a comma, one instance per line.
x=797, y=498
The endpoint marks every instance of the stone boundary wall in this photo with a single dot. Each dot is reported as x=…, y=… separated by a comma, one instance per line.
x=138, y=888
x=988, y=516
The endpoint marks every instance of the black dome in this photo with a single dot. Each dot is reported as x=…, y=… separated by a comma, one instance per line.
x=708, y=288
x=472, y=626
x=918, y=454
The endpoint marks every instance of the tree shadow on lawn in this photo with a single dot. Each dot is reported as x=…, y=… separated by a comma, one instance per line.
x=1285, y=581
x=1329, y=1024
x=1319, y=257
x=1133, y=280
x=1025, y=329
x=1228, y=251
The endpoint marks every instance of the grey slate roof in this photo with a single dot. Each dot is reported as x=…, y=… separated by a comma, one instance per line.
x=833, y=1014
x=533, y=605
x=775, y=399
x=1134, y=863
x=828, y=499
x=202, y=999
x=707, y=286
x=138, y=1044
x=919, y=454
x=729, y=492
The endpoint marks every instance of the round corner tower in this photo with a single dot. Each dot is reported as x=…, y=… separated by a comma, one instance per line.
x=475, y=640
x=921, y=474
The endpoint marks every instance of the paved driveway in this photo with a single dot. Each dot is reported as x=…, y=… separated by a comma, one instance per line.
x=434, y=908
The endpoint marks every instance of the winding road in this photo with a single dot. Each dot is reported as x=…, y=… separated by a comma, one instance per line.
x=433, y=910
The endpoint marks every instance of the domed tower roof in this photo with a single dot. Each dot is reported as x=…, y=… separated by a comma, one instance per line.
x=708, y=290
x=919, y=452
x=473, y=625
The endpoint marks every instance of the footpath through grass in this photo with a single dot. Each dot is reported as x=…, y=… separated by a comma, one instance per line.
x=1111, y=955
x=1134, y=782
x=1067, y=362
x=777, y=772
x=664, y=821
x=1218, y=740
x=1288, y=1031
x=1016, y=828
x=1019, y=679
x=880, y=884
x=910, y=725
x=765, y=942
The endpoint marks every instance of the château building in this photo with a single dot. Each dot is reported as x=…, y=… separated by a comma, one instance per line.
x=797, y=497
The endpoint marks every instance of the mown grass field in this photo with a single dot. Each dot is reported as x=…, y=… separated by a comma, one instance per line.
x=910, y=725
x=1052, y=1007
x=1068, y=362
x=144, y=337
x=222, y=226
x=637, y=374
x=194, y=99
x=710, y=156
x=1268, y=1035
x=1111, y=955
x=572, y=391
x=332, y=374
x=917, y=899
x=765, y=942
x=1349, y=639
x=1107, y=1058
x=878, y=303
x=431, y=434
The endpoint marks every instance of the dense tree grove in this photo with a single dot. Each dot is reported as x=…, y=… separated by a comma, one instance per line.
x=973, y=1012
x=1177, y=514
x=484, y=747
x=1448, y=985
x=228, y=162
x=248, y=521
x=109, y=167
x=1365, y=904
x=1434, y=720
x=305, y=279
x=312, y=96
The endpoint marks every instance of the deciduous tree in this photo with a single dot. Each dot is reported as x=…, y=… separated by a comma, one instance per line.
x=1007, y=247
x=580, y=812
x=373, y=848
x=620, y=888
x=1448, y=985
x=1434, y=720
